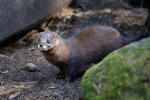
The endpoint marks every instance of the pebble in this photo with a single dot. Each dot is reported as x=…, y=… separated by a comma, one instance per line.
x=30, y=67
x=2, y=55
x=13, y=96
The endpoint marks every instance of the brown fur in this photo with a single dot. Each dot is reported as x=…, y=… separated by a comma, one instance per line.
x=89, y=46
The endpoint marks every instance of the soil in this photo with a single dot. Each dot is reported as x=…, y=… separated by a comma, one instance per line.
x=19, y=84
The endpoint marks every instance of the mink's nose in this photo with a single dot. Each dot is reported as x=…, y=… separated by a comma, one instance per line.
x=41, y=45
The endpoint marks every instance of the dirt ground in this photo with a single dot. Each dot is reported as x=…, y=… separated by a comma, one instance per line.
x=16, y=83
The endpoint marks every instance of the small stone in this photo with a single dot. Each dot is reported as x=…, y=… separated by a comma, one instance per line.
x=2, y=55
x=13, y=96
x=31, y=67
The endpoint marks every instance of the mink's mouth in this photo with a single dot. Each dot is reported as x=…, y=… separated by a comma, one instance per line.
x=45, y=48
x=50, y=49
x=42, y=47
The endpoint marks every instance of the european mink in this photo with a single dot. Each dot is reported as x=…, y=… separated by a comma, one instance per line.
x=77, y=53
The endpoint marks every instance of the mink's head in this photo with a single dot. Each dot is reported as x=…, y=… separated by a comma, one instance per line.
x=48, y=41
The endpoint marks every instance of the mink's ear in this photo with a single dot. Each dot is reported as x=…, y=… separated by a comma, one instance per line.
x=55, y=36
x=56, y=39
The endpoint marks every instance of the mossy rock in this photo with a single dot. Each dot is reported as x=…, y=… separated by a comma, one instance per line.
x=122, y=75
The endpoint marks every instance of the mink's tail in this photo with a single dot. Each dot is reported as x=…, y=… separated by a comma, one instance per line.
x=137, y=37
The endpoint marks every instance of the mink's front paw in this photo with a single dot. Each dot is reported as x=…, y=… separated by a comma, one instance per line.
x=68, y=79
x=60, y=76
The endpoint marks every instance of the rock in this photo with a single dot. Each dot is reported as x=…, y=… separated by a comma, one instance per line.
x=31, y=67
x=122, y=75
x=17, y=16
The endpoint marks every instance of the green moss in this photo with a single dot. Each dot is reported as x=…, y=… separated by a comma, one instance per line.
x=122, y=75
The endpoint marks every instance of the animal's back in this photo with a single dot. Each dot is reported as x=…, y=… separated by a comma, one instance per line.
x=94, y=42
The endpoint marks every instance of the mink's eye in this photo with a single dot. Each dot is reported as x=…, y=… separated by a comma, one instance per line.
x=48, y=41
